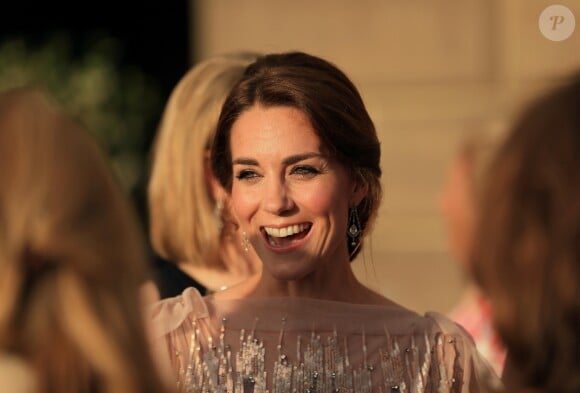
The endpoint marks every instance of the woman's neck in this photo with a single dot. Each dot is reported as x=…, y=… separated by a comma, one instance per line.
x=338, y=285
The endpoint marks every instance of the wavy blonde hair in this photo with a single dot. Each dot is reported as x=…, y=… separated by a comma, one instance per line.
x=71, y=256
x=183, y=226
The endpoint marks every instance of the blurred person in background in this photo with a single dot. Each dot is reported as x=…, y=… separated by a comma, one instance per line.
x=191, y=227
x=527, y=257
x=71, y=260
x=459, y=205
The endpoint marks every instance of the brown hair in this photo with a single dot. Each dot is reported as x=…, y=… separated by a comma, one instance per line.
x=182, y=223
x=71, y=256
x=528, y=256
x=333, y=106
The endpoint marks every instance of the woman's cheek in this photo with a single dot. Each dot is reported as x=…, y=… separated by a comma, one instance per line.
x=244, y=202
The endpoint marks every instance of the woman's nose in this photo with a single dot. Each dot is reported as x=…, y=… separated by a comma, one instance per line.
x=277, y=198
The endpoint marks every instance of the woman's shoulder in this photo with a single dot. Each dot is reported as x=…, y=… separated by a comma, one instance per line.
x=474, y=364
x=168, y=314
x=446, y=325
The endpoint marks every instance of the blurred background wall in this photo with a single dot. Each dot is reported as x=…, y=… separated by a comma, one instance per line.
x=430, y=73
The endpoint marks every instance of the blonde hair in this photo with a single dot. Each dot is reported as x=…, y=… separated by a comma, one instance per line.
x=183, y=226
x=71, y=256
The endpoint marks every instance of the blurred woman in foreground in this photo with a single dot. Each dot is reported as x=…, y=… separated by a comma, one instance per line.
x=527, y=258
x=71, y=260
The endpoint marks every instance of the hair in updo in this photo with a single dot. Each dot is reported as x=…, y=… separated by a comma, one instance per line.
x=331, y=102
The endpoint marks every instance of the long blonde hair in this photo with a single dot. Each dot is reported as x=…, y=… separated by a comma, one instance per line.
x=183, y=226
x=71, y=256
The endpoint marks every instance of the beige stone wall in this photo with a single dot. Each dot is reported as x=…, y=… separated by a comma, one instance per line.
x=427, y=70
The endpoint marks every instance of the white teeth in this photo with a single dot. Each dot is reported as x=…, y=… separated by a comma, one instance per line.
x=287, y=231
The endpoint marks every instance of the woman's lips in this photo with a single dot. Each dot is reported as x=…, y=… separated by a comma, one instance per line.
x=284, y=237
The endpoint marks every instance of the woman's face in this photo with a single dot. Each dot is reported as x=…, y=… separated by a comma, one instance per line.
x=289, y=196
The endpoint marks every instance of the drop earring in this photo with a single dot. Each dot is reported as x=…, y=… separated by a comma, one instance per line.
x=245, y=242
x=353, y=230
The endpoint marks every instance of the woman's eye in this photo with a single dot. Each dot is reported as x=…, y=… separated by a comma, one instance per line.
x=246, y=174
x=305, y=171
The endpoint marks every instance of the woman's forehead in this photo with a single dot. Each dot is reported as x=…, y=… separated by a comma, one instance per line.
x=269, y=129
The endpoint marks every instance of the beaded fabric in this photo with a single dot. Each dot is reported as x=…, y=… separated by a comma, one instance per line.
x=316, y=346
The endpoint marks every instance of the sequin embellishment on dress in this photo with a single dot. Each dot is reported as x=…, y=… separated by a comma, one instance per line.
x=318, y=363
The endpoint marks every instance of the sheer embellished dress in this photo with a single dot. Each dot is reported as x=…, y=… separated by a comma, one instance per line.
x=307, y=345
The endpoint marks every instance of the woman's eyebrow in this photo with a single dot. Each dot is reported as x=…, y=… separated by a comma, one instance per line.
x=245, y=161
x=299, y=157
x=287, y=161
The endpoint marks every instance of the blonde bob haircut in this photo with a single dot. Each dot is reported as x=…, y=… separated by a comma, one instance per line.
x=71, y=257
x=183, y=223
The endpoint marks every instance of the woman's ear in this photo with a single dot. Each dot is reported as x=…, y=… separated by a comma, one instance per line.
x=359, y=191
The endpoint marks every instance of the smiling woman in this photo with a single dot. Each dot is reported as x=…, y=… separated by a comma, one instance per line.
x=283, y=180
x=298, y=153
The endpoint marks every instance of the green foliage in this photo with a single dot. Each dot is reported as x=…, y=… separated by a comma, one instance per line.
x=115, y=104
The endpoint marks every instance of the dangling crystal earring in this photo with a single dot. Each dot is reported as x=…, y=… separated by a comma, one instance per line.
x=218, y=211
x=245, y=241
x=354, y=229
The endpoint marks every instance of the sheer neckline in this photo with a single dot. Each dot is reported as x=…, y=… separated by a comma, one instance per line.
x=291, y=300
